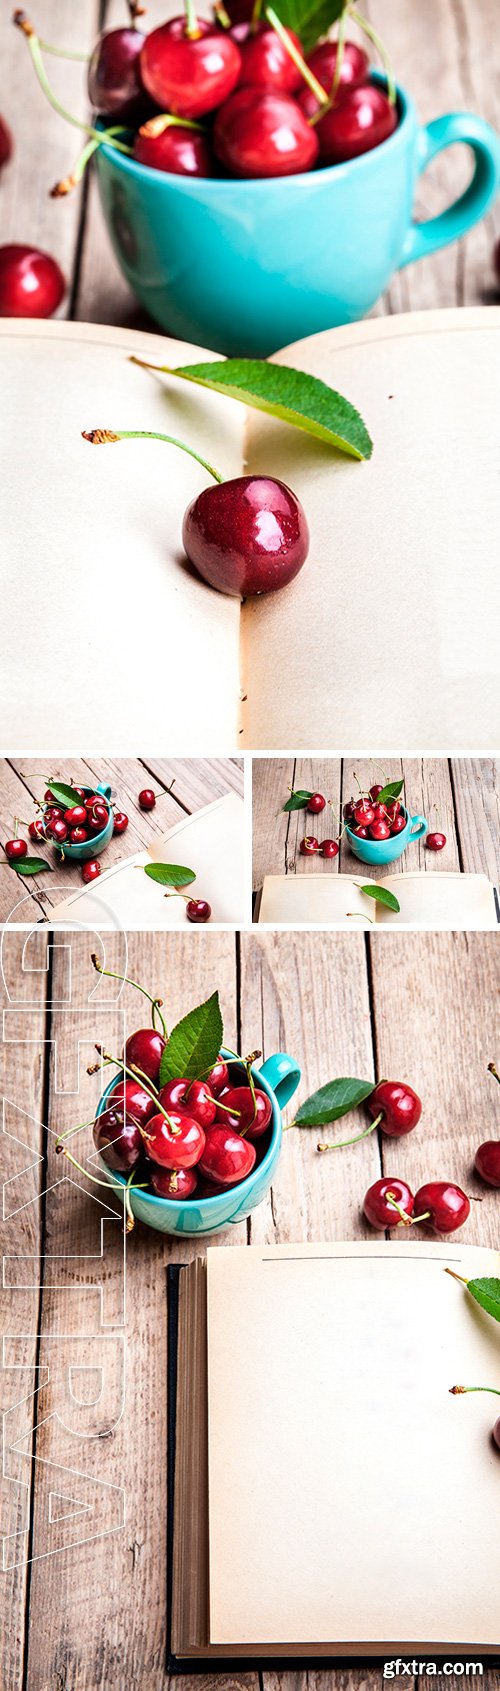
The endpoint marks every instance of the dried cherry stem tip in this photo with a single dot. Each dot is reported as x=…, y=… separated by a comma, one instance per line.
x=492, y=1070
x=456, y=1391
x=102, y=437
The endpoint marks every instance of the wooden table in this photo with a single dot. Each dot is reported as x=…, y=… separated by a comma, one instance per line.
x=446, y=54
x=460, y=797
x=181, y=787
x=92, y=1615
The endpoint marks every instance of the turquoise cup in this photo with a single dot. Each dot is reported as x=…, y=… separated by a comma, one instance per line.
x=387, y=851
x=93, y=847
x=279, y=1077
x=245, y=267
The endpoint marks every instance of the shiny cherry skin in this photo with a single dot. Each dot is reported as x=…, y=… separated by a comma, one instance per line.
x=118, y=1138
x=144, y=1050
x=176, y=1143
x=90, y=870
x=374, y=791
x=379, y=812
x=80, y=791
x=120, y=822
x=6, y=143
x=378, y=1211
x=364, y=814
x=191, y=1096
x=258, y=133
x=14, y=849
x=184, y=152
x=329, y=848
x=76, y=816
x=265, y=62
x=400, y=1106
x=315, y=804
x=147, y=799
x=444, y=1205
x=354, y=68
x=248, y=535
x=90, y=800
x=114, y=80
x=362, y=833
x=31, y=283
x=136, y=1101
x=241, y=1113
x=177, y=1183
x=398, y=825
x=393, y=809
x=197, y=910
x=58, y=831
x=435, y=842
x=495, y=1433
x=78, y=836
x=348, y=811
x=36, y=829
x=379, y=830
x=98, y=814
x=53, y=813
x=187, y=75
x=487, y=1161
x=359, y=121
x=217, y=1078
x=226, y=1158
x=309, y=845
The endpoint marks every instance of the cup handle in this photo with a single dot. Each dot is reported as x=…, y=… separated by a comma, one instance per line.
x=424, y=238
x=282, y=1075
x=419, y=827
x=102, y=787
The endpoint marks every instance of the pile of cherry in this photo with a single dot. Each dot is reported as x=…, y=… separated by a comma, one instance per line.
x=365, y=816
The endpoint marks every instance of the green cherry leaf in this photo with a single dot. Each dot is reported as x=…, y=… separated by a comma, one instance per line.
x=169, y=874
x=381, y=896
x=332, y=1101
x=391, y=791
x=63, y=794
x=297, y=801
x=194, y=1044
x=291, y=395
x=31, y=866
x=487, y=1294
x=310, y=19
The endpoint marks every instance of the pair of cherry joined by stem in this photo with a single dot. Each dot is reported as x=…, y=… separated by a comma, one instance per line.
x=390, y=1203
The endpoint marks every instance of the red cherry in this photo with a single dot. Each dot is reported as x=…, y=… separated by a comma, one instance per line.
x=354, y=69
x=80, y=791
x=377, y=788
x=377, y=1209
x=398, y=825
x=487, y=1161
x=114, y=80
x=197, y=910
x=91, y=870
x=348, y=811
x=53, y=813
x=309, y=845
x=316, y=803
x=134, y=1099
x=217, y=1078
x=443, y=1204
x=48, y=796
x=76, y=817
x=248, y=535
x=144, y=1050
x=31, y=283
x=15, y=849
x=329, y=848
x=90, y=800
x=360, y=120
x=187, y=75
x=393, y=810
x=36, y=829
x=184, y=152
x=78, y=836
x=495, y=1433
x=193, y=1096
x=379, y=812
x=399, y=1105
x=118, y=1138
x=120, y=822
x=435, y=842
x=241, y=1113
x=364, y=813
x=362, y=833
x=6, y=143
x=58, y=831
x=265, y=62
x=176, y=1143
x=379, y=830
x=226, y=1158
x=258, y=133
x=147, y=799
x=174, y=1182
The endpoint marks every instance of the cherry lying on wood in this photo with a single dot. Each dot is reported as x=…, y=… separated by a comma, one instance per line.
x=14, y=849
x=442, y=1204
x=385, y=1200
x=31, y=283
x=487, y=1161
x=397, y=1104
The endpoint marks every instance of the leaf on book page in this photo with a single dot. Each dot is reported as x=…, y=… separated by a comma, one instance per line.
x=297, y=801
x=332, y=1101
x=169, y=874
x=381, y=896
x=309, y=18
x=487, y=1294
x=194, y=1044
x=31, y=866
x=63, y=794
x=391, y=791
x=291, y=395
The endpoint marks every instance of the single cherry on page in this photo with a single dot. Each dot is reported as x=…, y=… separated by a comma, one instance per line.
x=309, y=845
x=15, y=849
x=435, y=842
x=147, y=799
x=361, y=119
x=189, y=74
x=193, y=1097
x=31, y=282
x=388, y=1203
x=226, y=1158
x=176, y=1143
x=329, y=848
x=118, y=1138
x=144, y=1050
x=259, y=133
x=442, y=1204
x=246, y=536
x=120, y=822
x=316, y=803
x=265, y=62
x=487, y=1161
x=197, y=910
x=165, y=145
x=244, y=1113
x=397, y=1104
x=114, y=81
x=91, y=870
x=174, y=1182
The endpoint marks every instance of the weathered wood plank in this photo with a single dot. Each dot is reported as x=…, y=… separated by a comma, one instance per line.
x=318, y=775
x=271, y=780
x=198, y=781
x=476, y=787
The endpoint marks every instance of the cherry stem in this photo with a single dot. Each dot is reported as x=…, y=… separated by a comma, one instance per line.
x=293, y=51
x=165, y=120
x=393, y=1204
x=416, y=1218
x=154, y=1002
x=460, y=1277
x=192, y=27
x=456, y=1391
x=66, y=183
x=378, y=43
x=63, y=52
x=23, y=24
x=116, y=1185
x=134, y=1074
x=61, y=1137
x=339, y=1144
x=339, y=57
x=492, y=1070
x=221, y=15
x=101, y=437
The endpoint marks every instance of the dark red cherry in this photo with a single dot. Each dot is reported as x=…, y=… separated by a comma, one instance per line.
x=14, y=849
x=379, y=812
x=53, y=813
x=6, y=143
x=361, y=832
x=189, y=75
x=120, y=822
x=348, y=811
x=99, y=813
x=192, y=1097
x=309, y=845
x=364, y=814
x=374, y=791
x=91, y=870
x=244, y=1114
x=118, y=1138
x=176, y=1143
x=443, y=1204
x=144, y=1050
x=329, y=848
x=134, y=1099
x=49, y=797
x=378, y=1209
x=174, y=1182
x=217, y=1078
x=58, y=831
x=435, y=842
x=78, y=836
x=147, y=799
x=36, y=829
x=487, y=1161
x=315, y=803
x=354, y=69
x=90, y=800
x=248, y=535
x=114, y=80
x=399, y=824
x=379, y=830
x=31, y=283
x=226, y=1158
x=80, y=791
x=399, y=1105
x=265, y=62
x=167, y=146
x=358, y=122
x=393, y=809
x=258, y=133
x=76, y=817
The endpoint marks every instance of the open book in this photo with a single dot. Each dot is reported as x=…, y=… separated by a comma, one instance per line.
x=403, y=564
x=331, y=1497
x=211, y=842
x=433, y=900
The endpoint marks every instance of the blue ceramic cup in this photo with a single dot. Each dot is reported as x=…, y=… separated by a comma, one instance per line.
x=245, y=267
x=90, y=848
x=386, y=851
x=279, y=1077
